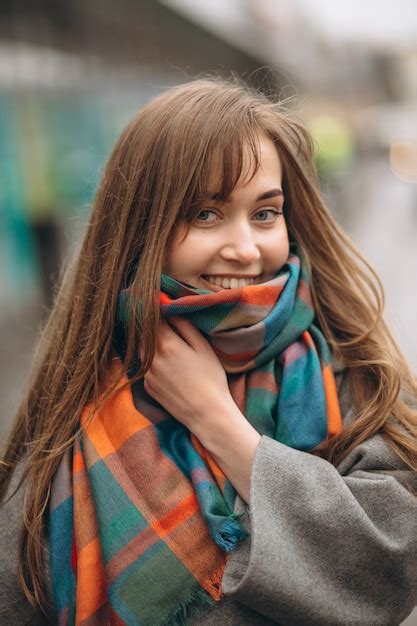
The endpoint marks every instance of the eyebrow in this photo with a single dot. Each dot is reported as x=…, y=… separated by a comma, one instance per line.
x=272, y=193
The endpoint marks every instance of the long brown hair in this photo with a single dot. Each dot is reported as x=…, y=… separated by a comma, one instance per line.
x=154, y=180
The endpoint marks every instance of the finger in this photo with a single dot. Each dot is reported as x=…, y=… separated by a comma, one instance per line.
x=188, y=332
x=164, y=329
x=168, y=336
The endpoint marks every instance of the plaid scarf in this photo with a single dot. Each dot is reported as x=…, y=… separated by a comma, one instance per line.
x=141, y=517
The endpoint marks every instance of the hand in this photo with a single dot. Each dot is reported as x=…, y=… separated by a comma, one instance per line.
x=186, y=377
x=188, y=380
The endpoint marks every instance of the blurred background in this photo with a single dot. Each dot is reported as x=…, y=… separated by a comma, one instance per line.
x=72, y=74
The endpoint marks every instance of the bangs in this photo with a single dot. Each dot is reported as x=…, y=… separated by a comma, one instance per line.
x=227, y=161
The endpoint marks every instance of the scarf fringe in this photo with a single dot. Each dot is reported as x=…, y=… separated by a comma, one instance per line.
x=195, y=605
x=230, y=533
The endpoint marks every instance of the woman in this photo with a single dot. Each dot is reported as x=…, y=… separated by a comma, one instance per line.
x=198, y=449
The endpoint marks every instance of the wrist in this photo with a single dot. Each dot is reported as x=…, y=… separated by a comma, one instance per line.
x=220, y=434
x=232, y=442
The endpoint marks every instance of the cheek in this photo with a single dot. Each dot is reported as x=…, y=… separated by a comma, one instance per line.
x=175, y=260
x=286, y=247
x=280, y=248
x=175, y=253
x=187, y=255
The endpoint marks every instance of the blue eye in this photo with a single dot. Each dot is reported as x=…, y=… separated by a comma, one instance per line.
x=273, y=211
x=204, y=211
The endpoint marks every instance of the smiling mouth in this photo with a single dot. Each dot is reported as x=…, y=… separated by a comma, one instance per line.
x=221, y=282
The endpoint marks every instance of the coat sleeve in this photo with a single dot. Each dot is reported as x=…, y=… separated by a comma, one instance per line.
x=327, y=545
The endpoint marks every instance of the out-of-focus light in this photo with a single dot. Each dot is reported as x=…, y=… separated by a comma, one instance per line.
x=334, y=143
x=273, y=16
x=382, y=25
x=403, y=160
x=28, y=65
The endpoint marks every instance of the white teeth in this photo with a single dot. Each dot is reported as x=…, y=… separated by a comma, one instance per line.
x=230, y=283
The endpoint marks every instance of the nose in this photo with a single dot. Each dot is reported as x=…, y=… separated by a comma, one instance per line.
x=241, y=246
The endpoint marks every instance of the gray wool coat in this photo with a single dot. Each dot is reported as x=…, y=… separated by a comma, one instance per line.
x=328, y=546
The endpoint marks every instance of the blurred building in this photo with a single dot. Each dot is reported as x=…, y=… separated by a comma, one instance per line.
x=70, y=76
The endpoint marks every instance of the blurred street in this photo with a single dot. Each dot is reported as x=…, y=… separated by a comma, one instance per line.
x=380, y=214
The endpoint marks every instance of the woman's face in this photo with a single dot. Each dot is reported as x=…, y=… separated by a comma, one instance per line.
x=242, y=239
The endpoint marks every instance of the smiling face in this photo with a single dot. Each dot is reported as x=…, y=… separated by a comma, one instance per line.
x=244, y=238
